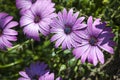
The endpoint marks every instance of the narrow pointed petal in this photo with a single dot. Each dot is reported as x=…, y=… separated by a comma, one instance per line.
x=89, y=23
x=59, y=41
x=23, y=73
x=107, y=48
x=32, y=33
x=78, y=52
x=100, y=55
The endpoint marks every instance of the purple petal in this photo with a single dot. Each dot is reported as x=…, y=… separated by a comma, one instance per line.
x=10, y=38
x=92, y=56
x=69, y=16
x=85, y=54
x=56, y=30
x=23, y=74
x=57, y=23
x=75, y=37
x=59, y=78
x=60, y=17
x=79, y=26
x=2, y=46
x=79, y=20
x=55, y=37
x=50, y=77
x=10, y=32
x=96, y=28
x=47, y=21
x=28, y=13
x=23, y=78
x=6, y=42
x=7, y=20
x=105, y=37
x=75, y=17
x=82, y=34
x=68, y=42
x=3, y=15
x=43, y=25
x=47, y=76
x=32, y=32
x=42, y=4
x=100, y=55
x=24, y=21
x=12, y=24
x=72, y=41
x=64, y=45
x=64, y=12
x=44, y=32
x=23, y=4
x=48, y=10
x=89, y=23
x=53, y=15
x=78, y=52
x=107, y=48
x=59, y=41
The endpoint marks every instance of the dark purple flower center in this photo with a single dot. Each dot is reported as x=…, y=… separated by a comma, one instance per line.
x=0, y=32
x=93, y=41
x=33, y=1
x=67, y=29
x=37, y=19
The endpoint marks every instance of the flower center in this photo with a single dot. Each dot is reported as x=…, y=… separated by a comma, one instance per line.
x=33, y=1
x=67, y=30
x=37, y=19
x=93, y=41
x=0, y=32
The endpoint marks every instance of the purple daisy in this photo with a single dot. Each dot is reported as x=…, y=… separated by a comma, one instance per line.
x=6, y=33
x=25, y=4
x=35, y=71
x=94, y=38
x=37, y=19
x=65, y=27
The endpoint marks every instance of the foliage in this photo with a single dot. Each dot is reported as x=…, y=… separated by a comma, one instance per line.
x=62, y=62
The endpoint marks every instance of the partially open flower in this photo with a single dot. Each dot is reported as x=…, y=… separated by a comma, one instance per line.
x=94, y=38
x=37, y=71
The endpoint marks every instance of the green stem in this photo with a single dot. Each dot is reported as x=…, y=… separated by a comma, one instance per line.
x=17, y=46
x=11, y=64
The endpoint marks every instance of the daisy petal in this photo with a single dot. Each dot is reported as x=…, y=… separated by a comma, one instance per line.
x=100, y=55
x=78, y=52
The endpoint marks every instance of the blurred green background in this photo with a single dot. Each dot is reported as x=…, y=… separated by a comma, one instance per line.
x=63, y=63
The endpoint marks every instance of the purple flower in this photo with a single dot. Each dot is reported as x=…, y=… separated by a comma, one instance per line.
x=26, y=4
x=94, y=38
x=66, y=26
x=6, y=33
x=37, y=19
x=37, y=71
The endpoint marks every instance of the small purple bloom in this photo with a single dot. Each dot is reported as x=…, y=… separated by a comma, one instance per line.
x=26, y=4
x=94, y=38
x=37, y=19
x=35, y=71
x=6, y=33
x=66, y=26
